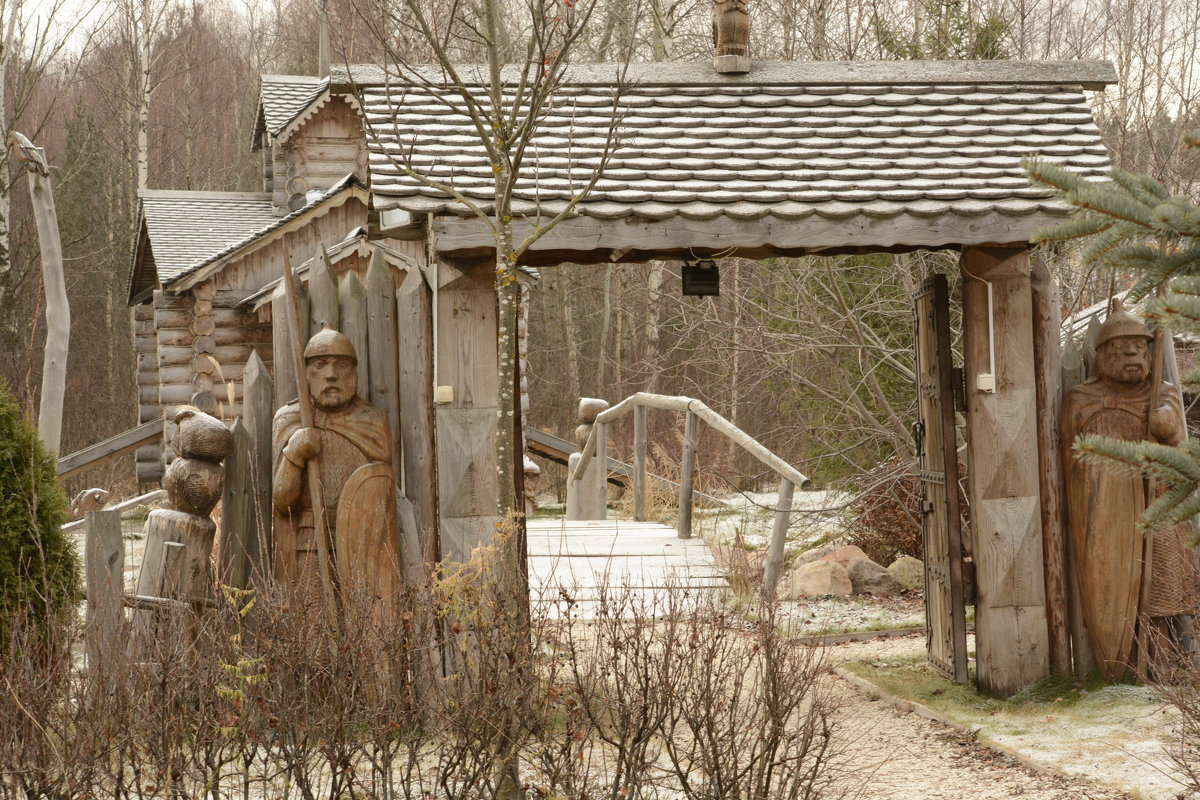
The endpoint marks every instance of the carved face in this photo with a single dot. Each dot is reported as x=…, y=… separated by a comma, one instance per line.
x=332, y=381
x=1124, y=360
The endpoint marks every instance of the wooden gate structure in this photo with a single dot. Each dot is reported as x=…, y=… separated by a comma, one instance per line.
x=787, y=159
x=937, y=457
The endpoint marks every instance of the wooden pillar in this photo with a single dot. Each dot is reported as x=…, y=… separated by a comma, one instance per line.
x=1047, y=351
x=598, y=475
x=687, y=472
x=239, y=532
x=258, y=414
x=468, y=401
x=104, y=562
x=783, y=515
x=1011, y=643
x=639, y=463
x=414, y=325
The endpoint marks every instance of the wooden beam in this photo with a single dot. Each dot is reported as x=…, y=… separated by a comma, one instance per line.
x=258, y=414
x=383, y=350
x=639, y=463
x=783, y=516
x=414, y=329
x=687, y=472
x=1011, y=638
x=589, y=240
x=93, y=455
x=1047, y=323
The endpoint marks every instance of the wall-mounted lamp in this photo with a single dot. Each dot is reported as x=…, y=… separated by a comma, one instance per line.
x=702, y=279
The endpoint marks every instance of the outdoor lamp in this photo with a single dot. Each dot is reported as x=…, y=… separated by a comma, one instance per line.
x=701, y=279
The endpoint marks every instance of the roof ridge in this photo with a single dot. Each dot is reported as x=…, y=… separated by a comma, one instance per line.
x=186, y=194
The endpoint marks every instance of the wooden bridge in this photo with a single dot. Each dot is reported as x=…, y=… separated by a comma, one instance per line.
x=635, y=567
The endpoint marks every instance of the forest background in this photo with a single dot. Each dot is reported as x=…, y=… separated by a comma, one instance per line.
x=812, y=356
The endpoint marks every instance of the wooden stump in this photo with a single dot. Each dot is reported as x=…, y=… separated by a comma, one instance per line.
x=176, y=565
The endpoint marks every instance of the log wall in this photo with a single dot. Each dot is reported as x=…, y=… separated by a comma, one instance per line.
x=327, y=147
x=148, y=460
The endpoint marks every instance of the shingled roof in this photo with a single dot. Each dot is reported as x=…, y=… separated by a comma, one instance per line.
x=283, y=98
x=188, y=235
x=846, y=143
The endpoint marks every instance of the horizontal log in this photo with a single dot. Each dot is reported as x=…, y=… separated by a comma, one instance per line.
x=150, y=472
x=257, y=333
x=112, y=447
x=200, y=307
x=174, y=374
x=173, y=302
x=174, y=356
x=204, y=291
x=147, y=378
x=172, y=319
x=145, y=344
x=175, y=394
x=125, y=505
x=150, y=411
x=150, y=452
x=143, y=312
x=203, y=326
x=148, y=394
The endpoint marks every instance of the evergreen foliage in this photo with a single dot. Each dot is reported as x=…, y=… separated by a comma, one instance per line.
x=1138, y=227
x=39, y=571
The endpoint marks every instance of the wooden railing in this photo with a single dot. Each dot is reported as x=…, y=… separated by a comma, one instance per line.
x=587, y=482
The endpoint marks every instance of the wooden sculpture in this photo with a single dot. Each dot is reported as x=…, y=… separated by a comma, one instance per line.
x=731, y=36
x=346, y=446
x=1122, y=575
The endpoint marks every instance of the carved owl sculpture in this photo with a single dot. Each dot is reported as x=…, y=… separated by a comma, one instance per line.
x=195, y=479
x=731, y=27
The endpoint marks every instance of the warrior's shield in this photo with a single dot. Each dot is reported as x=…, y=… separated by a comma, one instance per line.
x=367, y=546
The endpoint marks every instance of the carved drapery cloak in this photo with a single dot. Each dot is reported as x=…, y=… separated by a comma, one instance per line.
x=1103, y=507
x=351, y=438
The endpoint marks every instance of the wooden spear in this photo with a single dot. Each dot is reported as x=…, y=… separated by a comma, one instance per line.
x=1143, y=620
x=312, y=469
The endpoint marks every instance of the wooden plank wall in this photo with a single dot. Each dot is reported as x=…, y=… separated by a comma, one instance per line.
x=148, y=460
x=466, y=426
x=257, y=269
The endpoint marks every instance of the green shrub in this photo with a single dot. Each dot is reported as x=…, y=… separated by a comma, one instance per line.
x=39, y=569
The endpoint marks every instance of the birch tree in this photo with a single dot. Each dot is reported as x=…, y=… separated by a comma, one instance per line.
x=523, y=68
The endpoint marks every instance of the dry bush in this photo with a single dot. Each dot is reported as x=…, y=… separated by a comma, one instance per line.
x=463, y=692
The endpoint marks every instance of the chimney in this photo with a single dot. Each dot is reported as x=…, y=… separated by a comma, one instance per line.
x=731, y=36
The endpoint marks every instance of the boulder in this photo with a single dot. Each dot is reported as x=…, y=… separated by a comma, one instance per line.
x=909, y=572
x=846, y=555
x=817, y=579
x=867, y=577
x=816, y=553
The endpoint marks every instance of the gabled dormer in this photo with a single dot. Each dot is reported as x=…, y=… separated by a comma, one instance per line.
x=310, y=138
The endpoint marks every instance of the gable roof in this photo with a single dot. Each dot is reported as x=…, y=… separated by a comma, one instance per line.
x=283, y=98
x=847, y=143
x=190, y=235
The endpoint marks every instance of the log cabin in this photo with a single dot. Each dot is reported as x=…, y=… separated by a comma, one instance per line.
x=785, y=159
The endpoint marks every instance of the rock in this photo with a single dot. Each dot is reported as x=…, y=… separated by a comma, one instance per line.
x=846, y=555
x=867, y=577
x=909, y=572
x=817, y=579
x=816, y=553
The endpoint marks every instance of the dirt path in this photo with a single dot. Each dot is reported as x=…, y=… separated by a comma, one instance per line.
x=897, y=755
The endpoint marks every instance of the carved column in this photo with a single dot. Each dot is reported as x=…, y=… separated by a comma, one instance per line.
x=1002, y=467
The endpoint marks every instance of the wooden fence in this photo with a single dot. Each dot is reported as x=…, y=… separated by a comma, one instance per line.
x=587, y=488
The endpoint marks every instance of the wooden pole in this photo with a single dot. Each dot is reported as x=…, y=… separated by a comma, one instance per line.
x=783, y=513
x=687, y=472
x=639, y=463
x=383, y=351
x=257, y=413
x=312, y=468
x=1143, y=619
x=58, y=309
x=414, y=325
x=599, y=474
x=1047, y=356
x=104, y=560
x=239, y=537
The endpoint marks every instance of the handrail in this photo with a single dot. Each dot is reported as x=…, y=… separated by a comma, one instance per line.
x=716, y=421
x=125, y=505
x=696, y=411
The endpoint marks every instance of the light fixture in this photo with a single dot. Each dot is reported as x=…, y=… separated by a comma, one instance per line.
x=702, y=279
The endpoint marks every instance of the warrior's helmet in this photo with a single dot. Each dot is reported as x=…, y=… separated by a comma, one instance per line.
x=1121, y=323
x=329, y=342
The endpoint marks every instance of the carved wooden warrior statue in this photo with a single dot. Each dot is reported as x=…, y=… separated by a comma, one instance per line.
x=1122, y=577
x=349, y=444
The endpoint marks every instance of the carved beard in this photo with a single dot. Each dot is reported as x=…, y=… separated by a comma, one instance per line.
x=1121, y=368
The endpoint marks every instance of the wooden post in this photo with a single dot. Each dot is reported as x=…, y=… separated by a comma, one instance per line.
x=257, y=415
x=639, y=463
x=239, y=534
x=104, y=560
x=322, y=296
x=687, y=471
x=1047, y=323
x=598, y=475
x=414, y=324
x=286, y=386
x=783, y=514
x=1012, y=646
x=352, y=311
x=58, y=310
x=383, y=351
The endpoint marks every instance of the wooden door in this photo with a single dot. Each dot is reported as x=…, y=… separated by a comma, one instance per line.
x=937, y=458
